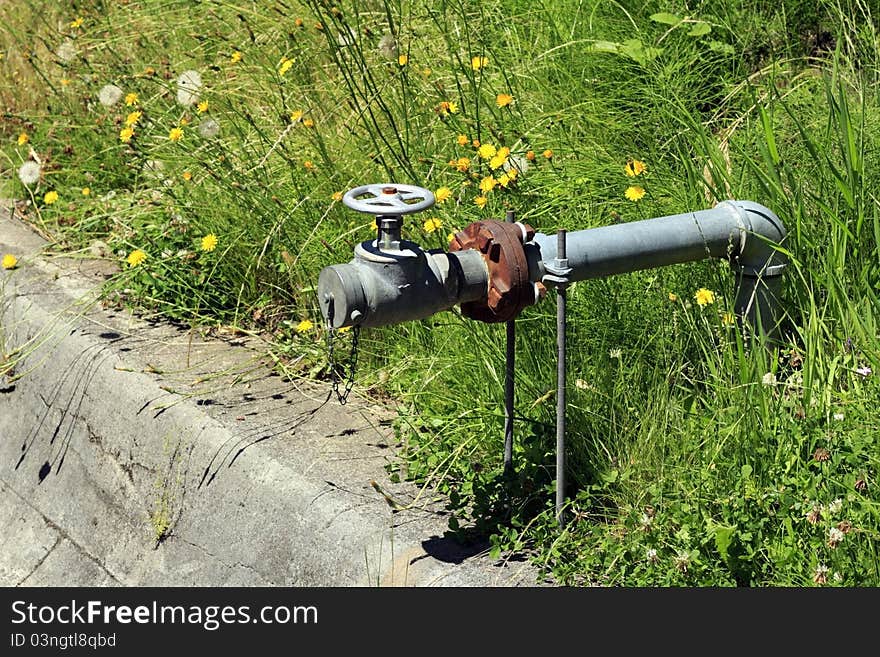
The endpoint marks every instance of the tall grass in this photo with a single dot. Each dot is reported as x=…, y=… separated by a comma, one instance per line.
x=697, y=456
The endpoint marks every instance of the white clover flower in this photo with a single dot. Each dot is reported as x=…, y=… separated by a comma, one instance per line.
x=838, y=416
x=651, y=555
x=188, y=86
x=682, y=559
x=66, y=51
x=835, y=537
x=646, y=521
x=29, y=173
x=836, y=576
x=109, y=95
x=209, y=128
x=769, y=379
x=821, y=574
x=615, y=353
x=835, y=506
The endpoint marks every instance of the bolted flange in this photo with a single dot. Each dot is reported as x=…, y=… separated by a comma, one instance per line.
x=509, y=288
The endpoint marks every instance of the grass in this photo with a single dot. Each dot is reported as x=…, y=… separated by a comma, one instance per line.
x=696, y=458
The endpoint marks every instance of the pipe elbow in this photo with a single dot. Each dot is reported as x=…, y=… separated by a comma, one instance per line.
x=761, y=231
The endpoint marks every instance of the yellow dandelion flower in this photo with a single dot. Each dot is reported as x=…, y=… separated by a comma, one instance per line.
x=50, y=197
x=432, y=224
x=462, y=140
x=308, y=123
x=450, y=237
x=184, y=121
x=634, y=193
x=704, y=297
x=487, y=184
x=202, y=107
x=478, y=62
x=296, y=116
x=131, y=99
x=337, y=196
x=235, y=57
x=503, y=100
x=462, y=164
x=447, y=107
x=86, y=191
x=298, y=22
x=634, y=168
x=442, y=194
x=548, y=154
x=77, y=22
x=187, y=176
x=480, y=201
x=309, y=165
x=728, y=318
x=209, y=242
x=23, y=139
x=65, y=82
x=126, y=134
x=402, y=60
x=135, y=258
x=475, y=143
x=132, y=119
x=512, y=173
x=149, y=71
x=487, y=151
x=175, y=134
x=319, y=27
x=530, y=156
x=500, y=158
x=504, y=180
x=284, y=65
x=303, y=326
x=9, y=261
x=673, y=296
x=426, y=72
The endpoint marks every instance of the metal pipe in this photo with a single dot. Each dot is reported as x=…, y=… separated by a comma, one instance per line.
x=509, y=372
x=741, y=231
x=560, y=263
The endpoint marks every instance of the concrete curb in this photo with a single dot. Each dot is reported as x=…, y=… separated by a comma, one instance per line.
x=135, y=454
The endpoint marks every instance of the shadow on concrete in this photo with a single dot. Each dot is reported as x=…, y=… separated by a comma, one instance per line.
x=66, y=398
x=448, y=550
x=236, y=445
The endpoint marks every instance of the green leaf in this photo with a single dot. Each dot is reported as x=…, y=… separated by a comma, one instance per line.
x=610, y=477
x=665, y=18
x=720, y=46
x=700, y=29
x=723, y=539
x=746, y=471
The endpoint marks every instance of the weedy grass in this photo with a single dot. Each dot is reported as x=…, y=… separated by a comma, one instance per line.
x=697, y=456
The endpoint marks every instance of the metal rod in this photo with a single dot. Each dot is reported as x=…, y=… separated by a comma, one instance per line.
x=509, y=398
x=561, y=291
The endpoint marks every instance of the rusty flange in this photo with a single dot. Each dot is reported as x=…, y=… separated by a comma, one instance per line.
x=510, y=290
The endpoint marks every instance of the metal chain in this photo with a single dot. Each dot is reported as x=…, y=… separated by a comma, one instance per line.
x=335, y=367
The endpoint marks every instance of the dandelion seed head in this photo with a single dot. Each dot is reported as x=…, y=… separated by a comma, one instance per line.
x=29, y=173
x=189, y=83
x=209, y=128
x=109, y=95
x=388, y=46
x=66, y=51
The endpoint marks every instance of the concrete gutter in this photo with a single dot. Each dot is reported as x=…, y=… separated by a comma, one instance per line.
x=135, y=453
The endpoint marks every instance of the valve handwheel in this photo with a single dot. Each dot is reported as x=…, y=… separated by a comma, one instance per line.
x=388, y=199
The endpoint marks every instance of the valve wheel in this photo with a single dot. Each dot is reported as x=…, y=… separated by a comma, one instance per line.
x=388, y=199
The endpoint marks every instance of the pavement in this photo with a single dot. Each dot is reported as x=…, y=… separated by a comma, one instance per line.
x=136, y=452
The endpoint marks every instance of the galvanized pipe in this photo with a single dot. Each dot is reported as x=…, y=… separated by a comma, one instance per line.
x=741, y=231
x=561, y=263
x=509, y=373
